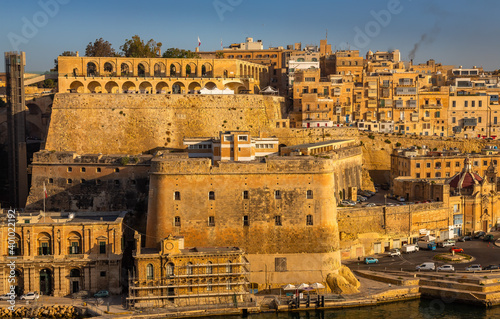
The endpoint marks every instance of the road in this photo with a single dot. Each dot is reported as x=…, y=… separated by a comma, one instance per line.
x=484, y=253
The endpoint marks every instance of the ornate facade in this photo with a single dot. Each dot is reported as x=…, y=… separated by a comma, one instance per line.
x=158, y=75
x=59, y=253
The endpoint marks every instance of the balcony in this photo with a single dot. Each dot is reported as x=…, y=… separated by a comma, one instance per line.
x=406, y=91
x=470, y=122
x=432, y=106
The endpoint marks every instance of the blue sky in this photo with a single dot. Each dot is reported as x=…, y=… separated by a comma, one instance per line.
x=457, y=32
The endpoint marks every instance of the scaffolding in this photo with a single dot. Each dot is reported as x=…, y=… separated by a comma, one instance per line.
x=194, y=286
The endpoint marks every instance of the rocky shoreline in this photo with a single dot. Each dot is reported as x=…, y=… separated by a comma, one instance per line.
x=57, y=311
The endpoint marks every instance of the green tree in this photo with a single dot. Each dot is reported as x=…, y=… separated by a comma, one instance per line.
x=49, y=83
x=219, y=55
x=100, y=48
x=180, y=53
x=136, y=48
x=65, y=53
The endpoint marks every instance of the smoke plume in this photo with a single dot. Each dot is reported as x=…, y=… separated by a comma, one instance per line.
x=426, y=38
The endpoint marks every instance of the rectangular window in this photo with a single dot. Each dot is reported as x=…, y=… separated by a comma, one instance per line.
x=466, y=103
x=243, y=138
x=454, y=104
x=473, y=103
x=211, y=195
x=177, y=195
x=277, y=220
x=246, y=221
x=428, y=165
x=417, y=165
x=457, y=164
x=103, y=274
x=245, y=194
x=479, y=119
x=309, y=194
x=485, y=163
x=228, y=138
x=211, y=221
x=447, y=174
x=280, y=264
x=453, y=120
x=70, y=169
x=428, y=175
x=98, y=170
x=309, y=220
x=448, y=164
x=177, y=221
x=480, y=103
x=277, y=194
x=83, y=169
x=102, y=247
x=418, y=175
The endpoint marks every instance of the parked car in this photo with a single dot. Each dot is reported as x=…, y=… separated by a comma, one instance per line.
x=464, y=238
x=30, y=296
x=6, y=297
x=491, y=267
x=401, y=199
x=426, y=266
x=488, y=238
x=347, y=203
x=371, y=205
x=394, y=252
x=446, y=268
x=447, y=243
x=479, y=234
x=101, y=294
x=455, y=249
x=371, y=260
x=475, y=267
x=362, y=198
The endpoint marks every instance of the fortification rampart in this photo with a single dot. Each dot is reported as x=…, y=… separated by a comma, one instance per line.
x=124, y=123
x=88, y=182
x=369, y=230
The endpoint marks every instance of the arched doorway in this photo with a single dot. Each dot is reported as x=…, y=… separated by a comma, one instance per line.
x=178, y=88
x=46, y=281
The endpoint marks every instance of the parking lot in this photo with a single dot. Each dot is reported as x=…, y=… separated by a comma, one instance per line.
x=483, y=253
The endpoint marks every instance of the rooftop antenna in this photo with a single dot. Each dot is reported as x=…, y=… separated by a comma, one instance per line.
x=327, y=35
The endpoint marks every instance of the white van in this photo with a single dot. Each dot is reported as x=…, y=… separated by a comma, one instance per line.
x=426, y=266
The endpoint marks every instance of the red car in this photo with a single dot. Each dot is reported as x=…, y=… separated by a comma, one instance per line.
x=456, y=250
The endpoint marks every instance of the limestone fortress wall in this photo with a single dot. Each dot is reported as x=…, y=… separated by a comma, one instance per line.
x=136, y=123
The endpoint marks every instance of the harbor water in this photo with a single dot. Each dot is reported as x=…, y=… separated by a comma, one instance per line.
x=415, y=309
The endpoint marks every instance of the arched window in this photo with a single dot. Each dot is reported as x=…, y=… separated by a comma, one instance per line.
x=203, y=70
x=125, y=70
x=170, y=269
x=91, y=69
x=229, y=267
x=225, y=73
x=210, y=269
x=74, y=273
x=150, y=272
x=209, y=284
x=141, y=70
x=173, y=70
x=188, y=70
x=108, y=67
x=189, y=268
x=309, y=194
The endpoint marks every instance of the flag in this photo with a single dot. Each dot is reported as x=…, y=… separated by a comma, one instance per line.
x=44, y=190
x=199, y=42
x=221, y=47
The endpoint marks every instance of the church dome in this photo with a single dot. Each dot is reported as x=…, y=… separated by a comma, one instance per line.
x=466, y=178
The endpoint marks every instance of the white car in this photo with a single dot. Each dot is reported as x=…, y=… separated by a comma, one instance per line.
x=30, y=296
x=371, y=205
x=446, y=268
x=395, y=252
